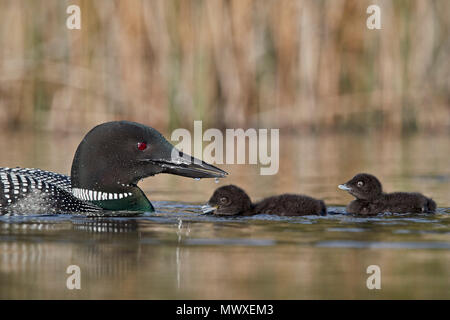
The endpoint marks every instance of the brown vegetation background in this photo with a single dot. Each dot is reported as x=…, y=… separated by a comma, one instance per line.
x=309, y=65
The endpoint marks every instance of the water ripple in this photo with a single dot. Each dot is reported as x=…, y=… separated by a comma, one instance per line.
x=383, y=245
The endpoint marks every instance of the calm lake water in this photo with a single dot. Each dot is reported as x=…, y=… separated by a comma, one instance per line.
x=178, y=253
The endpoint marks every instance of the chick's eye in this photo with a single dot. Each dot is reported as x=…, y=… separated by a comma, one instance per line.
x=223, y=200
x=142, y=146
x=360, y=183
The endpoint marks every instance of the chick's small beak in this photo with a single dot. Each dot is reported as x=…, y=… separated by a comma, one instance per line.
x=344, y=187
x=208, y=209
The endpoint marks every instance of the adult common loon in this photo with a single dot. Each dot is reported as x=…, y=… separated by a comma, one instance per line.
x=231, y=200
x=109, y=162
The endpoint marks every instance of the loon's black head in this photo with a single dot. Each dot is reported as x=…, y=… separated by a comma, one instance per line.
x=228, y=200
x=363, y=186
x=114, y=156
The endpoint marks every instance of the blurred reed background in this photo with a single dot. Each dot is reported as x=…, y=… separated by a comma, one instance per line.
x=304, y=65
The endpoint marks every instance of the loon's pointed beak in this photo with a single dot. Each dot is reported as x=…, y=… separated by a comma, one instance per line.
x=188, y=166
x=344, y=187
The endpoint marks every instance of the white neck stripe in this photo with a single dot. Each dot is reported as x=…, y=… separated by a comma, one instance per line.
x=91, y=195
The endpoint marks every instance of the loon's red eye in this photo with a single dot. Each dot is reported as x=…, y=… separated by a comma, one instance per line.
x=142, y=146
